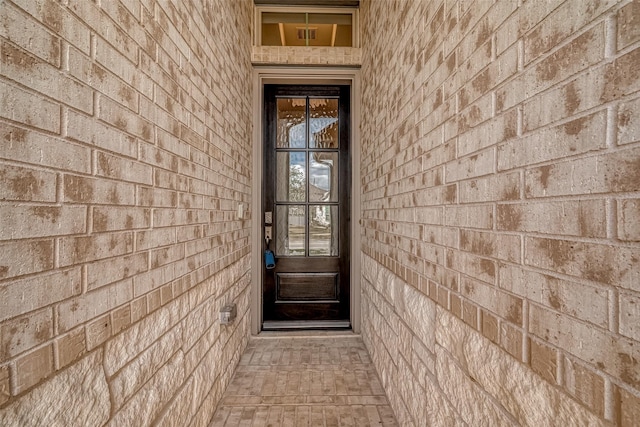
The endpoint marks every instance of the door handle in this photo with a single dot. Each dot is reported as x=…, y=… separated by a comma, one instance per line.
x=267, y=234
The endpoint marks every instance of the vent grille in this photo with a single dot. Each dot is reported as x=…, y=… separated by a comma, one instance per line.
x=302, y=33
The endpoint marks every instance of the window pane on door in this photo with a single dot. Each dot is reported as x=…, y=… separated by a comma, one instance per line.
x=292, y=130
x=323, y=176
x=323, y=122
x=323, y=230
x=290, y=230
x=291, y=181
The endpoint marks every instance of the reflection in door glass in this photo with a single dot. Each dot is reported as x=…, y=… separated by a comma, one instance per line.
x=291, y=182
x=323, y=176
x=323, y=230
x=290, y=230
x=291, y=132
x=323, y=119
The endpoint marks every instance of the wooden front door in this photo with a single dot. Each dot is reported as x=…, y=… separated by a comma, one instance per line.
x=306, y=206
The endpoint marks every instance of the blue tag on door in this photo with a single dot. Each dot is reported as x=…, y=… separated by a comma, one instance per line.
x=269, y=259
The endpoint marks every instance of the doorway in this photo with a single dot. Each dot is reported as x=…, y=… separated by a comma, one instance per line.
x=306, y=188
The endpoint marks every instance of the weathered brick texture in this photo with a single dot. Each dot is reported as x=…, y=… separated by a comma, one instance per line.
x=125, y=131
x=500, y=174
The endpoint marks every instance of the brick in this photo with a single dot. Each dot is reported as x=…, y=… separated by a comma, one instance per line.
x=544, y=361
x=585, y=302
x=611, y=353
x=41, y=221
x=123, y=169
x=158, y=158
x=490, y=326
x=155, y=238
x=590, y=261
x=566, y=20
x=5, y=385
x=88, y=130
x=138, y=309
x=506, y=306
x=25, y=257
x=24, y=333
x=479, y=216
x=33, y=367
x=171, y=143
x=41, y=76
x=75, y=250
x=531, y=14
x=603, y=173
x=145, y=283
x=499, y=187
x=80, y=189
x=114, y=61
x=470, y=314
x=29, y=109
x=575, y=137
x=628, y=407
x=105, y=27
x=629, y=219
x=501, y=246
x=628, y=122
x=500, y=128
x=511, y=340
x=105, y=82
x=105, y=272
x=70, y=347
x=584, y=385
x=586, y=218
x=26, y=185
x=622, y=76
x=480, y=74
x=38, y=291
x=92, y=304
x=163, y=256
x=98, y=331
x=482, y=163
x=478, y=112
x=58, y=19
x=585, y=50
x=473, y=266
x=29, y=34
x=120, y=218
x=122, y=119
x=173, y=217
x=157, y=197
x=120, y=319
x=629, y=315
x=37, y=149
x=628, y=24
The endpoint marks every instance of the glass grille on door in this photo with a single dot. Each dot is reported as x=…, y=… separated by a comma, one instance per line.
x=307, y=143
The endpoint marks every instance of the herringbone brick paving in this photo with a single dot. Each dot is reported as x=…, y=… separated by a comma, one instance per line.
x=305, y=381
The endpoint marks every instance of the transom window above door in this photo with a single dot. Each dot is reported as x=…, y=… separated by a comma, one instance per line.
x=306, y=26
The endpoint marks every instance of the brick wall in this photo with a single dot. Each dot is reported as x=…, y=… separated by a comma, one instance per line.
x=501, y=220
x=125, y=151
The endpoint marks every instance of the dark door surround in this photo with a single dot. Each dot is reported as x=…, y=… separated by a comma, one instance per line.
x=306, y=291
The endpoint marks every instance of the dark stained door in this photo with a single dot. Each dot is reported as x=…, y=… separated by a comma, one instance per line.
x=306, y=206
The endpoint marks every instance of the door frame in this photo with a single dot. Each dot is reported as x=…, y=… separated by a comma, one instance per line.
x=303, y=76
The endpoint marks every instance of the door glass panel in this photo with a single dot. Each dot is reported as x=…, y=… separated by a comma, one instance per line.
x=323, y=230
x=291, y=182
x=290, y=230
x=292, y=130
x=323, y=118
x=323, y=176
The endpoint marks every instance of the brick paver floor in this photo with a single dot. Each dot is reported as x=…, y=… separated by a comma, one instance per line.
x=324, y=380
